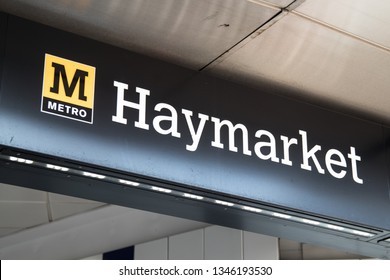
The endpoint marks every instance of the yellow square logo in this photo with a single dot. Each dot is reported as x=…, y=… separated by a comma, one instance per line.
x=68, y=89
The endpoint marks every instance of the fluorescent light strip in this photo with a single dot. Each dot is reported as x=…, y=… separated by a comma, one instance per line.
x=21, y=160
x=280, y=215
x=311, y=222
x=252, y=209
x=129, y=183
x=307, y=221
x=265, y=212
x=57, y=167
x=333, y=227
x=362, y=233
x=224, y=203
x=93, y=175
x=339, y=228
x=193, y=196
x=161, y=189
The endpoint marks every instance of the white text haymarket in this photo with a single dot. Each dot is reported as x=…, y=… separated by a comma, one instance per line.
x=335, y=161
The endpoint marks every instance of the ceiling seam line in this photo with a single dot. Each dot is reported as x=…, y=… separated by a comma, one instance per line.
x=281, y=11
x=293, y=5
x=266, y=4
x=339, y=30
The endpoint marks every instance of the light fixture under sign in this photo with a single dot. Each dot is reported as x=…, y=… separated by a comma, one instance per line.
x=282, y=215
x=21, y=160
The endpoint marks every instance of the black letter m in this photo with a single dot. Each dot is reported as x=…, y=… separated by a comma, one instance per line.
x=79, y=75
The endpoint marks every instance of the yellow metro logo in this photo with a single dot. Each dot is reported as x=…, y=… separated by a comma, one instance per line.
x=68, y=89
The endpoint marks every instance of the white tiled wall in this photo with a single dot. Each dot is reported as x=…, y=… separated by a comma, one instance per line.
x=153, y=250
x=260, y=247
x=187, y=246
x=223, y=243
x=210, y=243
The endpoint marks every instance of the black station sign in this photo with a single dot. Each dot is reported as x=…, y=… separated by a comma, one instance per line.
x=73, y=98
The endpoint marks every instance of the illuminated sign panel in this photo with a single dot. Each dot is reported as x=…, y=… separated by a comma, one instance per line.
x=149, y=119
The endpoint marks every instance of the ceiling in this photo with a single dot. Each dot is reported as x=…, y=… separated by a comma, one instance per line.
x=334, y=53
